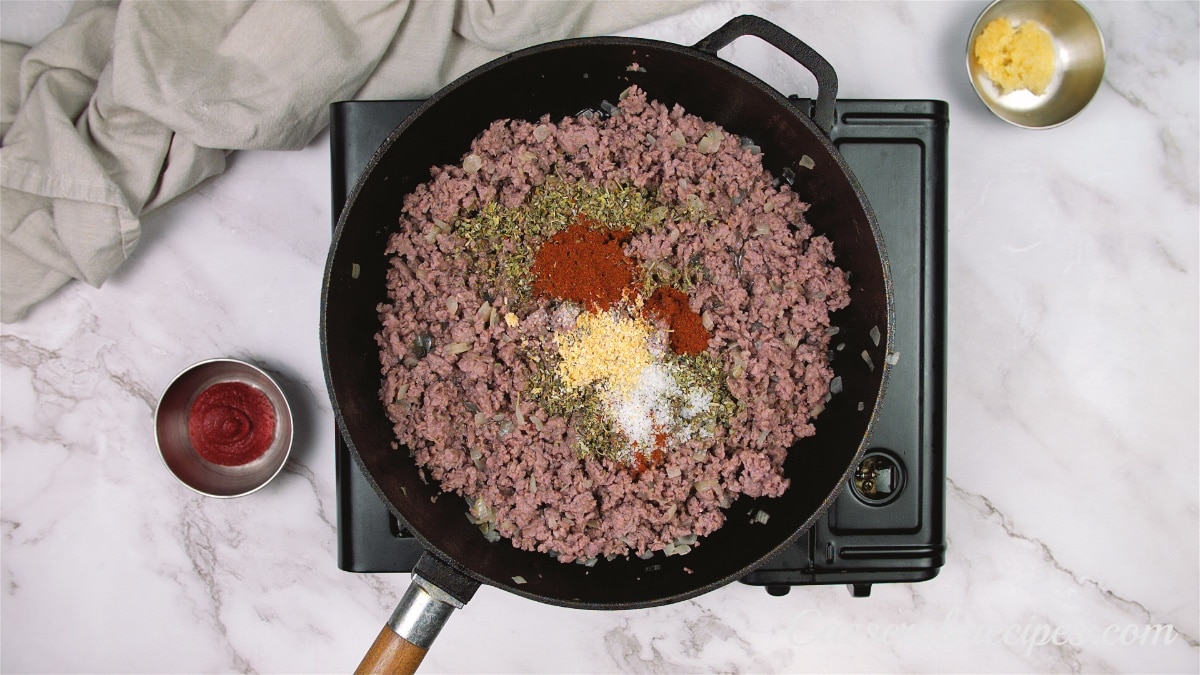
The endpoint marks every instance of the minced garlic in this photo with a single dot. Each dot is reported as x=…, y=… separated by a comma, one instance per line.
x=1016, y=58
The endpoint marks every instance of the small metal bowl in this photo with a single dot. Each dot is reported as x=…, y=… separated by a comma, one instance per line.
x=171, y=430
x=1078, y=63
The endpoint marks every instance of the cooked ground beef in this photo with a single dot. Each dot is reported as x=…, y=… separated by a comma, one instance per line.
x=455, y=378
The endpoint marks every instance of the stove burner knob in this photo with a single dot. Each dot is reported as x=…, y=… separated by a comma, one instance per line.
x=879, y=478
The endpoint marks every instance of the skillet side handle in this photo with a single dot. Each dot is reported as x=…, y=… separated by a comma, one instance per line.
x=827, y=83
x=418, y=618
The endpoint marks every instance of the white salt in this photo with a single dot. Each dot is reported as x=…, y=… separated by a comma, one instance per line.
x=646, y=409
x=697, y=402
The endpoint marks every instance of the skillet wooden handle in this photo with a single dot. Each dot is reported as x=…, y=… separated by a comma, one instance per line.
x=390, y=654
x=418, y=618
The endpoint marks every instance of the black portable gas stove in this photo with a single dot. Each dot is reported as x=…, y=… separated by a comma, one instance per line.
x=888, y=525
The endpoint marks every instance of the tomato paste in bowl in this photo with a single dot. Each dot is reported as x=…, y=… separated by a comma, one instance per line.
x=231, y=423
x=224, y=428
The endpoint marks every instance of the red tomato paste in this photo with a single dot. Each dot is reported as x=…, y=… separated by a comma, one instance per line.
x=231, y=423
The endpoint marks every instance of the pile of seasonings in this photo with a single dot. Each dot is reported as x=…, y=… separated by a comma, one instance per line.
x=633, y=392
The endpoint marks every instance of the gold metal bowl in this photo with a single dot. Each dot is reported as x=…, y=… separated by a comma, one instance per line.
x=1079, y=56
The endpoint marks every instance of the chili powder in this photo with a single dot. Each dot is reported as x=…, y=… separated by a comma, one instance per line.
x=231, y=423
x=688, y=335
x=643, y=462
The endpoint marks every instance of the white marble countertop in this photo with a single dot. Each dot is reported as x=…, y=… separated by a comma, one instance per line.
x=1072, y=439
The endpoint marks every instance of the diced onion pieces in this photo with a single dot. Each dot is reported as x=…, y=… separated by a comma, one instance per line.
x=711, y=142
x=455, y=348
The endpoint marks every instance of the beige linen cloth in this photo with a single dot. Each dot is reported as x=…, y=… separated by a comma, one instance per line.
x=130, y=104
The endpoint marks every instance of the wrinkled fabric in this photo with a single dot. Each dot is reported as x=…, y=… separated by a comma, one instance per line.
x=131, y=104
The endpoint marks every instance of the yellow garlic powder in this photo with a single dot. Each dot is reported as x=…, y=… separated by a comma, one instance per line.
x=1016, y=58
x=606, y=347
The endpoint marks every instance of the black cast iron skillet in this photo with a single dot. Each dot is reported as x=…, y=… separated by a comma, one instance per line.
x=561, y=79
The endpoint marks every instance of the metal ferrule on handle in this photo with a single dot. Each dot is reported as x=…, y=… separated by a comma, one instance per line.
x=421, y=613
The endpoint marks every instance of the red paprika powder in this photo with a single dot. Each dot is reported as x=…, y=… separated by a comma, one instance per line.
x=231, y=423
x=585, y=265
x=688, y=335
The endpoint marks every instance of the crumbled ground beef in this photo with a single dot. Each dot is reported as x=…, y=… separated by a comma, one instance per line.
x=767, y=291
